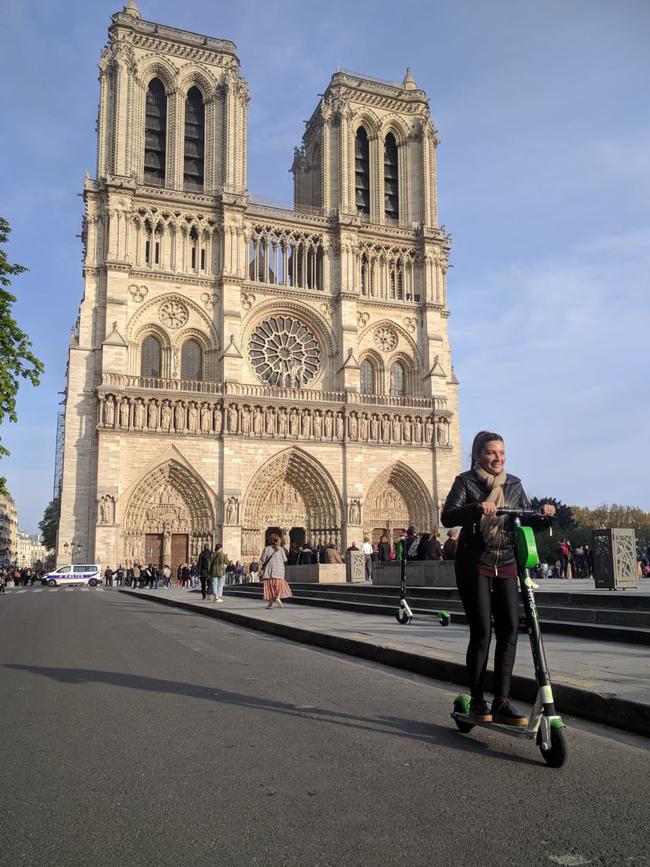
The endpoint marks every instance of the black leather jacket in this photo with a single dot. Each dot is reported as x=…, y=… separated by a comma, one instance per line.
x=462, y=510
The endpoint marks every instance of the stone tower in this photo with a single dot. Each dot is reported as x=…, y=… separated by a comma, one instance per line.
x=236, y=367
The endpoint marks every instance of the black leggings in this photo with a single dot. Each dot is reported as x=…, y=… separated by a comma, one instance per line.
x=481, y=596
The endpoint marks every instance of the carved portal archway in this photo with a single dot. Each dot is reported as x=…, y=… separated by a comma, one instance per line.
x=170, y=503
x=396, y=499
x=292, y=490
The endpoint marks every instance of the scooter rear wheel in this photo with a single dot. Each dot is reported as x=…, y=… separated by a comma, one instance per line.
x=444, y=619
x=556, y=756
x=461, y=705
x=402, y=617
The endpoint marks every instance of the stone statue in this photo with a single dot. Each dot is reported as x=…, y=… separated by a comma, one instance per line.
x=339, y=426
x=428, y=431
x=294, y=422
x=246, y=420
x=282, y=423
x=318, y=425
x=354, y=513
x=139, y=415
x=385, y=429
x=329, y=423
x=417, y=430
x=166, y=416
x=205, y=418
x=407, y=429
x=124, y=412
x=306, y=424
x=218, y=420
x=152, y=415
x=441, y=432
x=109, y=411
x=353, y=427
x=179, y=416
x=258, y=422
x=397, y=429
x=192, y=417
x=233, y=425
x=231, y=510
x=363, y=427
x=374, y=428
x=270, y=422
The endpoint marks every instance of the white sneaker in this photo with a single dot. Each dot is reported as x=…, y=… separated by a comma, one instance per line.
x=220, y=599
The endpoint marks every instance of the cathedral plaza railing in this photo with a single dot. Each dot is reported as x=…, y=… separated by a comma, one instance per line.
x=126, y=382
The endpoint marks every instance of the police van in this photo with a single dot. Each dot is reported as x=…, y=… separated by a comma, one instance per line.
x=74, y=573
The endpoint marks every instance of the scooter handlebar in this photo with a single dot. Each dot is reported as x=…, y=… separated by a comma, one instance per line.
x=524, y=513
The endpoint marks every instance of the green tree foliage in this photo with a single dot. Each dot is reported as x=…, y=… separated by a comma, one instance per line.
x=49, y=524
x=16, y=359
x=564, y=525
x=605, y=516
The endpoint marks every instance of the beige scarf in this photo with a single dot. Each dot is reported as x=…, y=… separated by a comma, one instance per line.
x=491, y=525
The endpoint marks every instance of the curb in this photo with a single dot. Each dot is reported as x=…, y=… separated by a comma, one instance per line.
x=605, y=709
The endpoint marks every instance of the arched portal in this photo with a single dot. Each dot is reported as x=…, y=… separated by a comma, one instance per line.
x=293, y=491
x=396, y=499
x=168, y=518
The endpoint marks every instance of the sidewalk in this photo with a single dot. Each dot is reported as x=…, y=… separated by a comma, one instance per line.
x=600, y=681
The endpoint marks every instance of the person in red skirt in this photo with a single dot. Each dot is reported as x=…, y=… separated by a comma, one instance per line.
x=274, y=558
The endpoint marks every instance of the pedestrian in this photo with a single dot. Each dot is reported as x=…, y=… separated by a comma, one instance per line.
x=273, y=560
x=218, y=565
x=108, y=576
x=3, y=581
x=253, y=571
x=366, y=550
x=430, y=547
x=332, y=555
x=383, y=549
x=486, y=571
x=136, y=575
x=186, y=576
x=166, y=575
x=119, y=576
x=203, y=567
x=449, y=548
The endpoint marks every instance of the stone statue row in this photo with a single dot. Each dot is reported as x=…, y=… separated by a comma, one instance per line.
x=204, y=418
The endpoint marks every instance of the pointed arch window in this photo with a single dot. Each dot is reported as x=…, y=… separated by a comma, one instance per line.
x=367, y=377
x=192, y=360
x=194, y=140
x=155, y=133
x=397, y=379
x=362, y=172
x=391, y=181
x=150, y=357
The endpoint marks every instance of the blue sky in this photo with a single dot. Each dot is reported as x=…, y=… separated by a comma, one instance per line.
x=544, y=183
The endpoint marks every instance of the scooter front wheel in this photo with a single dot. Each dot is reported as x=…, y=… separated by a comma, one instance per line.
x=556, y=756
x=444, y=618
x=461, y=705
x=402, y=617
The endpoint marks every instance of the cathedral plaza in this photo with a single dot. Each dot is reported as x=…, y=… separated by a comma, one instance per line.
x=238, y=368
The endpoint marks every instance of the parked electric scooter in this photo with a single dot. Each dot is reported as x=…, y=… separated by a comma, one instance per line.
x=404, y=614
x=545, y=727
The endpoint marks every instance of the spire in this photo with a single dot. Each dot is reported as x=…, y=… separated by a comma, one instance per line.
x=131, y=8
x=409, y=81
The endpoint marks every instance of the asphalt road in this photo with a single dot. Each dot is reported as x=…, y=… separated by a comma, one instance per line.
x=139, y=734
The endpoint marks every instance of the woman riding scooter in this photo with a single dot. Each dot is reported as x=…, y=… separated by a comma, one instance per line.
x=486, y=572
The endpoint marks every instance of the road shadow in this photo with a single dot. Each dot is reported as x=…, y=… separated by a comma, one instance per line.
x=425, y=732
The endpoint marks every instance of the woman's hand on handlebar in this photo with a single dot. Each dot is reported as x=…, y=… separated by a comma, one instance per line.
x=488, y=508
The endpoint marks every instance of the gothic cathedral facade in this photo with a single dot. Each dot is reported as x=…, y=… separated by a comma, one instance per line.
x=238, y=367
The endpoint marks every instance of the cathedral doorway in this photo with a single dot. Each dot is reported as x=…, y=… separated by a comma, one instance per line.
x=168, y=518
x=294, y=493
x=153, y=549
x=297, y=536
x=396, y=500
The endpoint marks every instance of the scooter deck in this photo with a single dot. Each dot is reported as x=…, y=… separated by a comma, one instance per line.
x=515, y=731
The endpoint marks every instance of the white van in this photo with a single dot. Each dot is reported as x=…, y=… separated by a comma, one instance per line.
x=75, y=573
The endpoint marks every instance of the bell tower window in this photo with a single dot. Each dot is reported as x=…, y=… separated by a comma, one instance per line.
x=362, y=172
x=194, y=140
x=391, y=188
x=155, y=133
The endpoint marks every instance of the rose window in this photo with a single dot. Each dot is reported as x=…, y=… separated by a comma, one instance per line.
x=284, y=352
x=385, y=339
x=173, y=314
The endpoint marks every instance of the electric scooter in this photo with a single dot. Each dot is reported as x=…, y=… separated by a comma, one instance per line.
x=545, y=727
x=404, y=614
